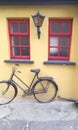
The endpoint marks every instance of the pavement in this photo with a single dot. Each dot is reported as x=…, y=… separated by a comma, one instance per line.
x=28, y=114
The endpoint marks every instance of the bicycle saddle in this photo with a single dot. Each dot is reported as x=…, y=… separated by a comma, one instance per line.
x=35, y=70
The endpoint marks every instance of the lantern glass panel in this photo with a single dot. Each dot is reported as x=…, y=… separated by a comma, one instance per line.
x=38, y=20
x=35, y=21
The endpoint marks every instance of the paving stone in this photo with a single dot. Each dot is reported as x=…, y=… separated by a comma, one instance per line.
x=4, y=112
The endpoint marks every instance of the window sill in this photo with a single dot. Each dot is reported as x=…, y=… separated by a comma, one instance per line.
x=19, y=61
x=59, y=62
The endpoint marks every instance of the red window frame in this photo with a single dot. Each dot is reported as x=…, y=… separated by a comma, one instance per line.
x=19, y=34
x=51, y=34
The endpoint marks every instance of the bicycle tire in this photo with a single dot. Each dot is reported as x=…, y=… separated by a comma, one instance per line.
x=8, y=92
x=45, y=96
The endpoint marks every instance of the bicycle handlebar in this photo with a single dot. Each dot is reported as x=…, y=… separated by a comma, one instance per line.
x=14, y=68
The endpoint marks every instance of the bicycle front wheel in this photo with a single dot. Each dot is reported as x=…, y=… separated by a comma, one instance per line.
x=45, y=90
x=7, y=93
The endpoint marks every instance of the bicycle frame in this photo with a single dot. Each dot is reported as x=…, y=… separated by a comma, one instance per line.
x=28, y=86
x=39, y=87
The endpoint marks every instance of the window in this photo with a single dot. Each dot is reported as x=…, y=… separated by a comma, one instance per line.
x=19, y=39
x=59, y=39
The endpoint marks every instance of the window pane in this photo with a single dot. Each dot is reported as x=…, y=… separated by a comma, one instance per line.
x=23, y=27
x=64, y=52
x=16, y=51
x=25, y=51
x=24, y=41
x=53, y=41
x=14, y=27
x=64, y=41
x=53, y=51
x=65, y=27
x=15, y=40
x=55, y=27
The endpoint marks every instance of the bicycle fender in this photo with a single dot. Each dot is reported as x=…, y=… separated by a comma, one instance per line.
x=44, y=78
x=14, y=86
x=10, y=82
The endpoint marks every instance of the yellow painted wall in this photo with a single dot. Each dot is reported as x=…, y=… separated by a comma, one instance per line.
x=66, y=76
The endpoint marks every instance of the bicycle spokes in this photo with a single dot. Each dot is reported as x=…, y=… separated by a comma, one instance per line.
x=43, y=87
x=45, y=91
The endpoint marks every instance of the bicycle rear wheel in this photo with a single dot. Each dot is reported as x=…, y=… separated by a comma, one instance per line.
x=45, y=90
x=7, y=93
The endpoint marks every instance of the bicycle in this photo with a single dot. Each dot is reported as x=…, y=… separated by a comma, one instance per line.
x=44, y=89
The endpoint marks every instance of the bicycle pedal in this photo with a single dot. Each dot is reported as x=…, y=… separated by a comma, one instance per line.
x=24, y=94
x=27, y=93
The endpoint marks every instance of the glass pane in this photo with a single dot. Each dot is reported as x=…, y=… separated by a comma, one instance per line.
x=64, y=41
x=16, y=51
x=40, y=21
x=65, y=27
x=53, y=41
x=15, y=40
x=35, y=19
x=25, y=51
x=64, y=52
x=55, y=27
x=23, y=27
x=53, y=51
x=14, y=27
x=24, y=41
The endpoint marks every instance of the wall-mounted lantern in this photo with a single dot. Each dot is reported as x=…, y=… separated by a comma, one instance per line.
x=38, y=21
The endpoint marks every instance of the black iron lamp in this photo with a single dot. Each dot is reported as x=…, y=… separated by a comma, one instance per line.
x=38, y=21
